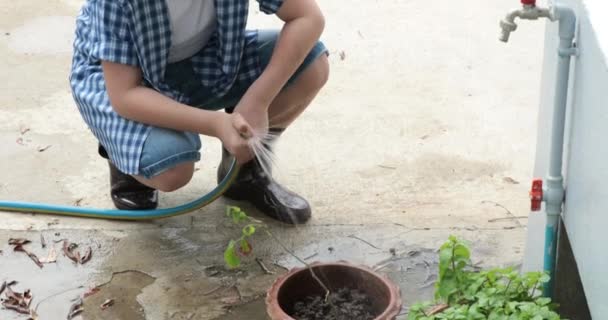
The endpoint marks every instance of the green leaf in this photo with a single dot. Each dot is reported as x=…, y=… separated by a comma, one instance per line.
x=543, y=301
x=245, y=248
x=248, y=230
x=236, y=214
x=230, y=256
x=544, y=278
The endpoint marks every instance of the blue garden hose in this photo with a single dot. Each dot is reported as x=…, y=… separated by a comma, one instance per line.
x=74, y=211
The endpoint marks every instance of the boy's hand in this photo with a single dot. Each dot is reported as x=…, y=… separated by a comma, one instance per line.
x=255, y=114
x=234, y=132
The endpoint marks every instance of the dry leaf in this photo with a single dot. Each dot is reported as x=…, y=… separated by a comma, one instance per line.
x=42, y=149
x=91, y=292
x=77, y=202
x=19, y=302
x=342, y=55
x=23, y=130
x=52, y=257
x=32, y=256
x=68, y=250
x=108, y=303
x=510, y=180
x=75, y=309
x=18, y=241
x=87, y=256
x=42, y=241
x=16, y=308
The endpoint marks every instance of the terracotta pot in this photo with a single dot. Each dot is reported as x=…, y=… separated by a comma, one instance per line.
x=299, y=283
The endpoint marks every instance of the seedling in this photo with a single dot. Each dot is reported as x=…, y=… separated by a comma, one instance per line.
x=241, y=247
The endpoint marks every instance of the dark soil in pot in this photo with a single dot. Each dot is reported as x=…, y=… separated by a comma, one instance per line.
x=345, y=304
x=357, y=293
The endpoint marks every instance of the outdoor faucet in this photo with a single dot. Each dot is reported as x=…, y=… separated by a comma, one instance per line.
x=529, y=11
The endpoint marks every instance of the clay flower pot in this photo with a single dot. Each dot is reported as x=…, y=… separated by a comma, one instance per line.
x=299, y=283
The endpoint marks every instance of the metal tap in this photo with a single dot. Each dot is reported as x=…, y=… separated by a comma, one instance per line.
x=529, y=11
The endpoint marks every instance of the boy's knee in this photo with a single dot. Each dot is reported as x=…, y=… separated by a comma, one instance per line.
x=321, y=72
x=175, y=178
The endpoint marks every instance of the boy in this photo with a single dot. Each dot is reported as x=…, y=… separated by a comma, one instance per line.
x=148, y=76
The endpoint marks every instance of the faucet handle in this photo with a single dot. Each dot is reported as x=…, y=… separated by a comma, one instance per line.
x=536, y=194
x=528, y=2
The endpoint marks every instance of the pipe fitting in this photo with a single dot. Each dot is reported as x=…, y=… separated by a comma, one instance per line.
x=567, y=21
x=554, y=196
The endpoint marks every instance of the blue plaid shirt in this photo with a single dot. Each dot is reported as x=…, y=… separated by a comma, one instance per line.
x=138, y=33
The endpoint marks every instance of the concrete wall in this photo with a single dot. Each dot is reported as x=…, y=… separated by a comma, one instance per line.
x=586, y=152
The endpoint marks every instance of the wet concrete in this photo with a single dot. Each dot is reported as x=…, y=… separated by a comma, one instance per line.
x=123, y=289
x=56, y=284
x=411, y=141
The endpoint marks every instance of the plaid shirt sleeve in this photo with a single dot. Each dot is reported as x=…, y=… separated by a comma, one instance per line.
x=113, y=41
x=270, y=6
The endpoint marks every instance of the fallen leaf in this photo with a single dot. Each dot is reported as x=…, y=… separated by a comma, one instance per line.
x=510, y=180
x=87, y=256
x=77, y=202
x=18, y=241
x=32, y=256
x=19, y=141
x=42, y=149
x=52, y=256
x=75, y=309
x=108, y=303
x=23, y=130
x=42, y=241
x=16, y=308
x=67, y=250
x=91, y=292
x=18, y=302
x=342, y=55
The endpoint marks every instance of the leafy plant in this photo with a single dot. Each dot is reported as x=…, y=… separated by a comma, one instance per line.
x=241, y=247
x=461, y=293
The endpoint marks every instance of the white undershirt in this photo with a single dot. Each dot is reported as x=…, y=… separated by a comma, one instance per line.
x=192, y=24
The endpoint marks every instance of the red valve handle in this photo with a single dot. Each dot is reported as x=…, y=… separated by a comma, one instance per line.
x=529, y=2
x=536, y=194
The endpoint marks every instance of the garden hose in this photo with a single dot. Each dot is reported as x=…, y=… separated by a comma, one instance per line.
x=74, y=211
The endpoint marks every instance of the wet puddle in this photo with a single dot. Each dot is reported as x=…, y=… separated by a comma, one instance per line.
x=55, y=284
x=255, y=310
x=123, y=289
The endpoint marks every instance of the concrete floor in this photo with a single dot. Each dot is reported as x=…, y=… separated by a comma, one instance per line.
x=425, y=129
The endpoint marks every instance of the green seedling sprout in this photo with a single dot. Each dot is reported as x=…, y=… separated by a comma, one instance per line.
x=241, y=247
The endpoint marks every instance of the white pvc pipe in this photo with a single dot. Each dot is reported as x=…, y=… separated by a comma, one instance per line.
x=554, y=192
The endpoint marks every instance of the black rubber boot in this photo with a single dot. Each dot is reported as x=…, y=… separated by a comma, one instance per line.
x=128, y=193
x=255, y=186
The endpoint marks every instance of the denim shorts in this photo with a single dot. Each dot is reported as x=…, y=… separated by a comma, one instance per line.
x=165, y=148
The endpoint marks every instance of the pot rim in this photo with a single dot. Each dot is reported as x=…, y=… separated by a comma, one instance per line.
x=275, y=311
